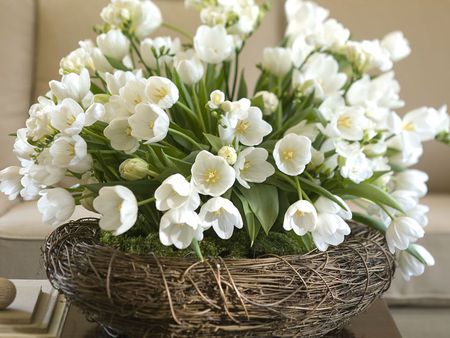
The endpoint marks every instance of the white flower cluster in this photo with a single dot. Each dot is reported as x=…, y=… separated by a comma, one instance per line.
x=162, y=136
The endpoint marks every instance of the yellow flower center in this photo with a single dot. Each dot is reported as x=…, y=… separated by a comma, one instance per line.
x=247, y=166
x=212, y=176
x=70, y=120
x=219, y=212
x=242, y=127
x=128, y=131
x=151, y=124
x=137, y=99
x=288, y=155
x=71, y=149
x=160, y=93
x=409, y=127
x=344, y=122
x=299, y=213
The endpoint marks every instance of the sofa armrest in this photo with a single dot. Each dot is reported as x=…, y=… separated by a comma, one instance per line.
x=6, y=204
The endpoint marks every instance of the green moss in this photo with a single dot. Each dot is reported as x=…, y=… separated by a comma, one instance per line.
x=239, y=246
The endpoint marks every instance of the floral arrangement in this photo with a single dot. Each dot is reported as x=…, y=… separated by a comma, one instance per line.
x=164, y=137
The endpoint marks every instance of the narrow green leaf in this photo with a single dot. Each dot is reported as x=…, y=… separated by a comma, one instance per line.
x=252, y=225
x=369, y=221
x=96, y=89
x=116, y=63
x=242, y=91
x=263, y=200
x=214, y=141
x=314, y=187
x=370, y=192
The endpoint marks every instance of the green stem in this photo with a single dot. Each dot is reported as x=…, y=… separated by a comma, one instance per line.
x=226, y=76
x=279, y=116
x=147, y=201
x=187, y=138
x=138, y=53
x=189, y=111
x=299, y=189
x=178, y=30
x=236, y=73
x=197, y=249
x=197, y=106
x=98, y=137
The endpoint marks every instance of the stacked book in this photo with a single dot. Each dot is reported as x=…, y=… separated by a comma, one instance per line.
x=37, y=311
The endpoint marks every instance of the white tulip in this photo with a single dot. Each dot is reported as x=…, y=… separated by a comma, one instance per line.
x=213, y=44
x=221, y=214
x=357, y=168
x=396, y=45
x=402, y=232
x=211, y=174
x=114, y=44
x=119, y=133
x=133, y=93
x=189, y=67
x=95, y=112
x=292, y=153
x=38, y=124
x=424, y=122
x=73, y=86
x=378, y=58
x=119, y=11
x=409, y=149
x=331, y=34
x=159, y=52
x=321, y=74
x=300, y=217
x=300, y=50
x=76, y=61
x=216, y=98
x=116, y=108
x=30, y=190
x=303, y=17
x=44, y=172
x=162, y=92
x=68, y=152
x=56, y=206
x=270, y=101
x=349, y=123
x=246, y=126
x=146, y=19
x=310, y=130
x=118, y=207
x=412, y=180
x=277, y=61
x=176, y=192
x=10, y=182
x=149, y=123
x=229, y=154
x=252, y=166
x=118, y=80
x=410, y=265
x=68, y=117
x=179, y=227
x=327, y=206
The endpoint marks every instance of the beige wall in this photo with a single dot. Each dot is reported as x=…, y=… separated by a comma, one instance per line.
x=424, y=76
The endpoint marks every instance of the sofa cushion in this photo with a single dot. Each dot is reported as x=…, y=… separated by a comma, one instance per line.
x=16, y=70
x=23, y=221
x=433, y=287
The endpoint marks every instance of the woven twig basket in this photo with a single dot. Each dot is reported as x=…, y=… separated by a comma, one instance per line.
x=145, y=295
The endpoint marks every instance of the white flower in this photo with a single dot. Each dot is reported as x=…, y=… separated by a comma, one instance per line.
x=99, y=62
x=229, y=154
x=96, y=112
x=119, y=79
x=132, y=94
x=73, y=86
x=396, y=45
x=211, y=174
x=159, y=52
x=246, y=126
x=252, y=166
x=378, y=58
x=412, y=180
x=303, y=17
x=410, y=265
x=179, y=227
x=30, y=190
x=331, y=34
x=118, y=207
x=149, y=123
x=292, y=153
x=310, y=130
x=38, y=124
x=189, y=67
x=357, y=168
x=300, y=217
x=114, y=44
x=68, y=117
x=270, y=101
x=77, y=60
x=161, y=91
x=425, y=122
x=119, y=133
x=349, y=123
x=402, y=232
x=222, y=215
x=300, y=50
x=331, y=227
x=69, y=152
x=277, y=61
x=146, y=19
x=56, y=206
x=216, y=98
x=321, y=74
x=409, y=149
x=10, y=182
x=213, y=44
x=176, y=192
x=44, y=172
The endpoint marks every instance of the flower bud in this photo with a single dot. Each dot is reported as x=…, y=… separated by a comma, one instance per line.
x=217, y=97
x=229, y=154
x=133, y=169
x=87, y=200
x=270, y=102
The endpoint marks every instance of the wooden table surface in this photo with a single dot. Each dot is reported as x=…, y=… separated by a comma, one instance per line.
x=376, y=322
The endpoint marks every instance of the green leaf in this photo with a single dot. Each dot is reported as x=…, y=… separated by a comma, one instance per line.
x=369, y=221
x=370, y=192
x=311, y=186
x=96, y=89
x=214, y=141
x=258, y=101
x=116, y=63
x=416, y=255
x=242, y=91
x=252, y=225
x=263, y=200
x=138, y=187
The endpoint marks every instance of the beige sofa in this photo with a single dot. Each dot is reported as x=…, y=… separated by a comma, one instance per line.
x=35, y=34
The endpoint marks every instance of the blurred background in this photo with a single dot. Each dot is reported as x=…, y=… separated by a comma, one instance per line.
x=36, y=34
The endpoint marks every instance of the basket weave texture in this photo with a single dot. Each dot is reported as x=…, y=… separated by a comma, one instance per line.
x=291, y=296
